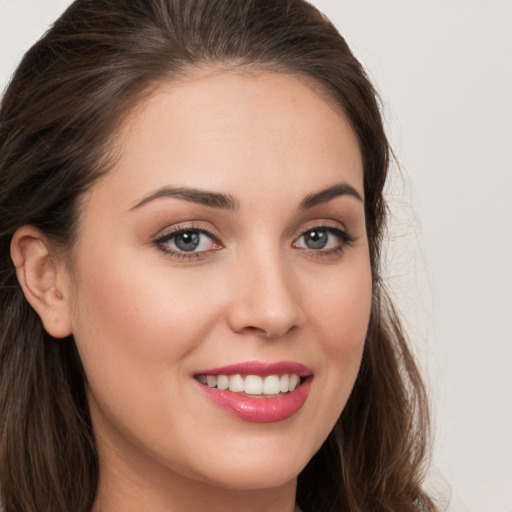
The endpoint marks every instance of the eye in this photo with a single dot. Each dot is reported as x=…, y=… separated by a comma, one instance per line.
x=323, y=238
x=187, y=242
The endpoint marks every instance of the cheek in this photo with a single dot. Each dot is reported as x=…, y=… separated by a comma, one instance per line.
x=127, y=304
x=341, y=322
x=134, y=328
x=343, y=309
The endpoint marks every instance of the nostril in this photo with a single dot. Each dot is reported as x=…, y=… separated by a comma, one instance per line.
x=264, y=304
x=250, y=329
x=272, y=332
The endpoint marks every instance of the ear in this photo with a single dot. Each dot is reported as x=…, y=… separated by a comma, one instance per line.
x=43, y=280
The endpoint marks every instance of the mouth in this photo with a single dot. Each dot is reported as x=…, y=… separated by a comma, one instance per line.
x=253, y=385
x=258, y=392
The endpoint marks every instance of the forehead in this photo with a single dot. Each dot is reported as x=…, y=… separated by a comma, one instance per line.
x=222, y=130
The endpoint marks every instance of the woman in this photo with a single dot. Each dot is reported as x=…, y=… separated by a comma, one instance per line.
x=192, y=315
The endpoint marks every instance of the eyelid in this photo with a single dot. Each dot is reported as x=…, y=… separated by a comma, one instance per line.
x=199, y=226
x=334, y=227
x=327, y=224
x=168, y=234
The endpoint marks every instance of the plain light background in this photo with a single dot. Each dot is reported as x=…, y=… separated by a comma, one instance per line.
x=444, y=71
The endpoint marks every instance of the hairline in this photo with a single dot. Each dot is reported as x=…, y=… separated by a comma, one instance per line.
x=146, y=89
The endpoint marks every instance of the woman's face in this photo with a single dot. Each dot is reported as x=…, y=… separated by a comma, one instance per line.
x=229, y=240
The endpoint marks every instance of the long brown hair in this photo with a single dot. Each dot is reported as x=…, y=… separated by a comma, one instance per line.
x=58, y=119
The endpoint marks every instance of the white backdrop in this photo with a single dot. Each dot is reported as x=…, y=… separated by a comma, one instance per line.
x=444, y=71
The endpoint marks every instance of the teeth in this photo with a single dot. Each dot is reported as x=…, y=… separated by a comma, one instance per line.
x=283, y=383
x=222, y=382
x=293, y=382
x=271, y=385
x=252, y=384
x=236, y=383
x=211, y=380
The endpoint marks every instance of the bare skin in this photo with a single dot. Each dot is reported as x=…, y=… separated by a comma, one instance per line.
x=148, y=315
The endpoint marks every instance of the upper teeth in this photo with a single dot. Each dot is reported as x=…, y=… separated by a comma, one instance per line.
x=252, y=384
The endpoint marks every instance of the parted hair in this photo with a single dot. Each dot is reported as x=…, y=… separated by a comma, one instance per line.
x=58, y=121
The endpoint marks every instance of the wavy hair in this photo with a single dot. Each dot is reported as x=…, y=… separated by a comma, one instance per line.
x=58, y=119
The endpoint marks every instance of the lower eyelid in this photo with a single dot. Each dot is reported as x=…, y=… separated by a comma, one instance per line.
x=162, y=242
x=344, y=241
x=166, y=242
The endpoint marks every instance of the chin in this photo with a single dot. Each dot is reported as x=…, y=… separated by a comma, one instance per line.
x=255, y=467
x=249, y=477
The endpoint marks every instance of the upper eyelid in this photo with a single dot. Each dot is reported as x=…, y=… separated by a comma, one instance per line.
x=177, y=253
x=320, y=224
x=345, y=234
x=176, y=230
x=171, y=231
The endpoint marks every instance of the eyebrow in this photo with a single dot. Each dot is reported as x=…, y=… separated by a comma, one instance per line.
x=329, y=193
x=211, y=199
x=228, y=202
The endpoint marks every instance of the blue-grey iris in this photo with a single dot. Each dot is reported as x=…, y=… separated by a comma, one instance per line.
x=316, y=239
x=187, y=241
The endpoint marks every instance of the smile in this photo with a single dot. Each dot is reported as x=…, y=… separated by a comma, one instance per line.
x=258, y=392
x=271, y=385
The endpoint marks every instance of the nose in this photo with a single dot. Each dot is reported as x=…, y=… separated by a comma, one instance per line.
x=264, y=298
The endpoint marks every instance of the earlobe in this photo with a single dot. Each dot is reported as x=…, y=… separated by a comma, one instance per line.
x=41, y=279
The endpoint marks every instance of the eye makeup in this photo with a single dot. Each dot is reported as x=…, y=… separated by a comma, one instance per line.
x=188, y=243
x=324, y=240
x=191, y=242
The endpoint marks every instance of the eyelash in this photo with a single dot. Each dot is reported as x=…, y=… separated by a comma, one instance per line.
x=344, y=237
x=161, y=243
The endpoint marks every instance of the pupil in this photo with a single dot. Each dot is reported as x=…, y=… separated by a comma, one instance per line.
x=187, y=241
x=316, y=239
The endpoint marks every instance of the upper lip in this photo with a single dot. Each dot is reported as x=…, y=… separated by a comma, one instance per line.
x=260, y=368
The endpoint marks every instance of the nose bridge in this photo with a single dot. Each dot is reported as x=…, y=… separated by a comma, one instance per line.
x=264, y=298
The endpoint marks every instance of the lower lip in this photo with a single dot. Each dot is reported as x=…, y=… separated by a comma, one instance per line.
x=260, y=410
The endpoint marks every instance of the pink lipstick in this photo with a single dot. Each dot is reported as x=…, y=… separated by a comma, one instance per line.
x=257, y=392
